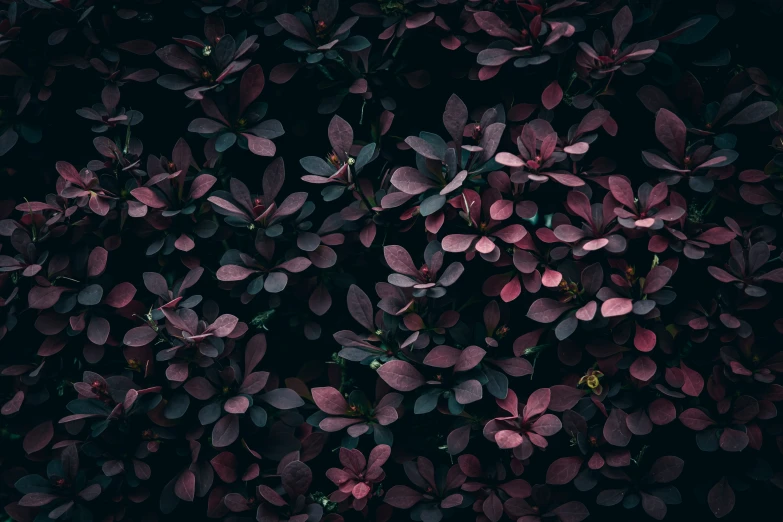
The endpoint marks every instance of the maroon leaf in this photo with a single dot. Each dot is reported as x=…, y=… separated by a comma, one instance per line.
x=696, y=419
x=721, y=498
x=615, y=430
x=547, y=310
x=643, y=368
x=563, y=470
x=402, y=497
x=39, y=437
x=666, y=469
x=552, y=95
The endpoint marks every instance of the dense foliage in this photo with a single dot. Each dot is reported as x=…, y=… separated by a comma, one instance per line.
x=438, y=259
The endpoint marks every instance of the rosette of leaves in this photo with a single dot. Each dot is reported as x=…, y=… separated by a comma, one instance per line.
x=65, y=491
x=442, y=168
x=681, y=161
x=84, y=188
x=577, y=301
x=340, y=168
x=481, y=214
x=358, y=477
x=651, y=489
x=398, y=18
x=82, y=298
x=542, y=505
x=357, y=413
x=437, y=492
x=379, y=340
x=599, y=229
x=232, y=395
x=490, y=485
x=238, y=119
x=169, y=201
x=108, y=403
x=290, y=501
x=108, y=114
x=207, y=64
x=538, y=157
x=317, y=37
x=706, y=118
x=526, y=426
x=425, y=280
x=602, y=58
x=598, y=458
x=744, y=267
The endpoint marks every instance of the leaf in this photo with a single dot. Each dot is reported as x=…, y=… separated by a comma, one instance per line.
x=616, y=306
x=468, y=391
x=39, y=437
x=545, y=310
x=411, y=181
x=733, y=440
x=225, y=465
x=695, y=419
x=402, y=497
x=753, y=113
x=721, y=498
x=666, y=469
x=615, y=430
x=442, y=357
x=360, y=307
x=564, y=397
x=455, y=116
x=563, y=470
x=340, y=136
x=283, y=399
x=250, y=87
x=573, y=511
x=401, y=375
x=653, y=506
x=329, y=400
x=139, y=336
x=205, y=126
x=552, y=95
x=226, y=431
x=694, y=383
x=670, y=131
x=643, y=368
x=185, y=488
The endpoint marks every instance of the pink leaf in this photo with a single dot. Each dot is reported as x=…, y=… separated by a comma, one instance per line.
x=616, y=306
x=401, y=375
x=329, y=400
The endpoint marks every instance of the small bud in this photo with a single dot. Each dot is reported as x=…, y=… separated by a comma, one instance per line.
x=376, y=364
x=206, y=51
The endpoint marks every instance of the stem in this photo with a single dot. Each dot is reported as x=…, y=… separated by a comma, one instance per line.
x=325, y=72
x=608, y=83
x=397, y=47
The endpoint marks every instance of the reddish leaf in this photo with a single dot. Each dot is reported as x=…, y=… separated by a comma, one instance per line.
x=552, y=95
x=563, y=470
x=721, y=498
